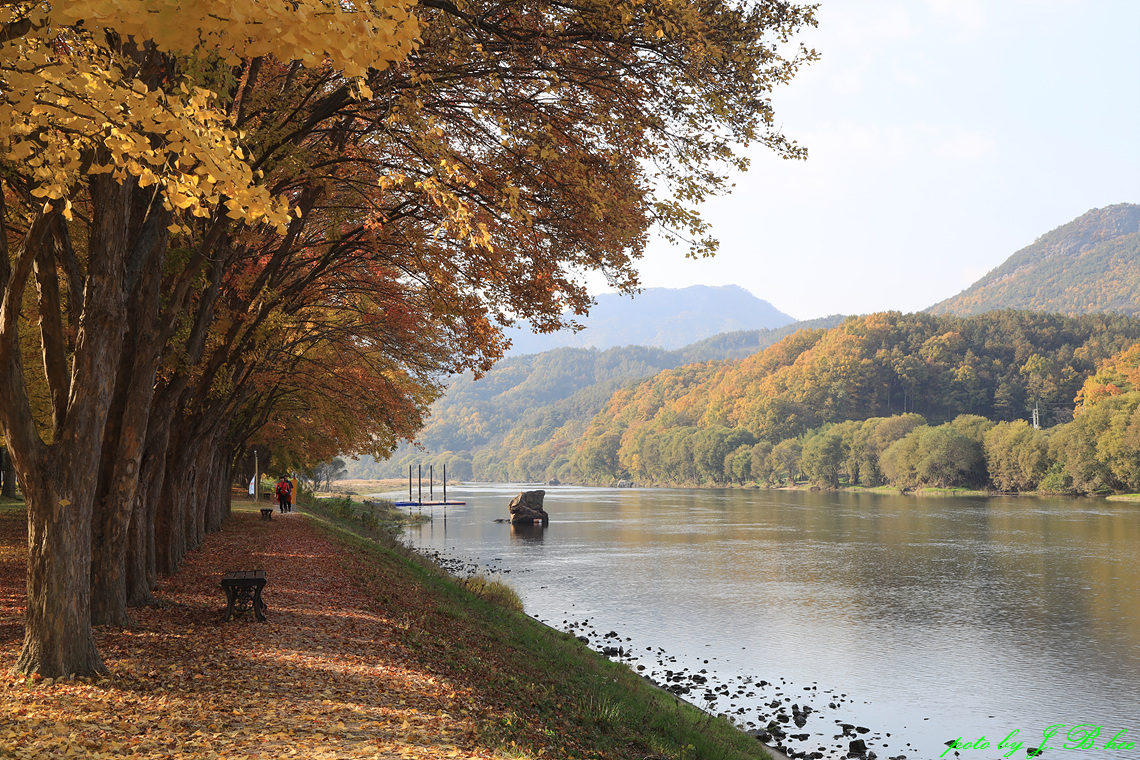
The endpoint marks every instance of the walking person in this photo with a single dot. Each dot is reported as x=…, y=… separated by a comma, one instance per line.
x=282, y=492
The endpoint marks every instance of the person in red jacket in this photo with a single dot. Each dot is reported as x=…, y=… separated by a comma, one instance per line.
x=284, y=489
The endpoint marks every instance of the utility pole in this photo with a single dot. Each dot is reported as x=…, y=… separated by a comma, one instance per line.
x=1036, y=417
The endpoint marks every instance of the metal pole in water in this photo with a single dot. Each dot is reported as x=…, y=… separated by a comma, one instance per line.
x=445, y=488
x=409, y=482
x=420, y=485
x=431, y=482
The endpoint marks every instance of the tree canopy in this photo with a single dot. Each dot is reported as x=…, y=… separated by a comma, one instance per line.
x=283, y=223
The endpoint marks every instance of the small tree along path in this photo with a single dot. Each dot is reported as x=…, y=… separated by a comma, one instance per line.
x=327, y=676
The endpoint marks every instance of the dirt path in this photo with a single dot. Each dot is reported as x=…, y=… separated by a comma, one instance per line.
x=325, y=677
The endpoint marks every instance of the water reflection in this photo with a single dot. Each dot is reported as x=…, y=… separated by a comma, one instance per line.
x=940, y=617
x=529, y=532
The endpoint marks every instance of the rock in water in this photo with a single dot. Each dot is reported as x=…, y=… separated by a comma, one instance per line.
x=527, y=507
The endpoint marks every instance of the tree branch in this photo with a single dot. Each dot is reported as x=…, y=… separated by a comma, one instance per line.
x=52, y=338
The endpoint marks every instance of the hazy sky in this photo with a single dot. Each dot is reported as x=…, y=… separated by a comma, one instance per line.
x=944, y=136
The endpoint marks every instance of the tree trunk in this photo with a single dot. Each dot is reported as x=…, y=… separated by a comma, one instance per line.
x=58, y=639
x=113, y=517
x=194, y=499
x=219, y=503
x=200, y=504
x=123, y=449
x=142, y=571
x=60, y=479
x=7, y=475
x=171, y=524
x=141, y=577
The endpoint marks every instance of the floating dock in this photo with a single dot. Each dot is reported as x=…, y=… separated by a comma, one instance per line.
x=412, y=502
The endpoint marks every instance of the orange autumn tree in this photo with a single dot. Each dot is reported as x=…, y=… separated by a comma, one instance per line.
x=487, y=191
x=1115, y=376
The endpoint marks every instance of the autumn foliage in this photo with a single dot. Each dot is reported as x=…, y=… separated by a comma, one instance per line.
x=327, y=677
x=89, y=88
x=280, y=225
x=1115, y=375
x=677, y=426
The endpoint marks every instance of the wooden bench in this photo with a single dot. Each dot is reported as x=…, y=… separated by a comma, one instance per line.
x=243, y=593
x=266, y=513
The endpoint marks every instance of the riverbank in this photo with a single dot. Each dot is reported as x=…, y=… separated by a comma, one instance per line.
x=885, y=489
x=369, y=651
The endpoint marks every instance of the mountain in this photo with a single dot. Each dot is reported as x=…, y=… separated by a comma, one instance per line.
x=1091, y=264
x=663, y=317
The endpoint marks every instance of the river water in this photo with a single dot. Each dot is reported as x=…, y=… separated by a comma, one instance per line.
x=922, y=620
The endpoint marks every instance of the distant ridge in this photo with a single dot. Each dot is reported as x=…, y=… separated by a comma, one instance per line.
x=1091, y=264
x=667, y=318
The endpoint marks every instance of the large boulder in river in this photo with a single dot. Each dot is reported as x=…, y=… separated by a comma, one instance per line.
x=527, y=507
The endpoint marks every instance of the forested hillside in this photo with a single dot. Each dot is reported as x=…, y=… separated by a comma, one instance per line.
x=858, y=387
x=863, y=402
x=1091, y=264
x=667, y=318
x=524, y=399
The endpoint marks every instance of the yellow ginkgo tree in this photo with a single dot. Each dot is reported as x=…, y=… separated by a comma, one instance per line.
x=92, y=87
x=96, y=104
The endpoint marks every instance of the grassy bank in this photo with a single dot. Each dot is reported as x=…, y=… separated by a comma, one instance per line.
x=552, y=695
x=358, y=488
x=369, y=651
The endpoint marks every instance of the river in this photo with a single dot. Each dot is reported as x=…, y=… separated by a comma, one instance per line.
x=919, y=619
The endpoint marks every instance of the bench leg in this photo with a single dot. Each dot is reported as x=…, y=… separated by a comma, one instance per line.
x=231, y=597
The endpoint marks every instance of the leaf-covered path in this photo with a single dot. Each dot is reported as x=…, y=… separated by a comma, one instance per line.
x=326, y=677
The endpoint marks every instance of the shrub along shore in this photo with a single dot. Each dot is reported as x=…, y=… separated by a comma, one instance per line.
x=369, y=650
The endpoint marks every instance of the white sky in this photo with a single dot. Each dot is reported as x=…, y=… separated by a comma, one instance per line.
x=944, y=136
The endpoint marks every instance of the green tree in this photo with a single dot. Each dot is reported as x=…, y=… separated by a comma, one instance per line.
x=972, y=426
x=940, y=457
x=785, y=459
x=874, y=437
x=1117, y=432
x=1017, y=456
x=822, y=458
x=739, y=464
x=712, y=445
x=762, y=462
x=598, y=460
x=1075, y=447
